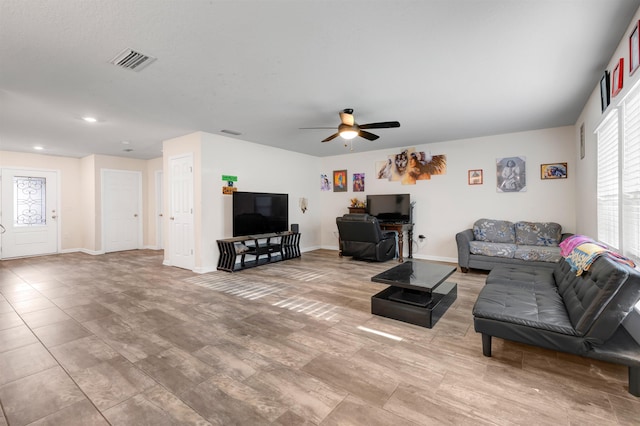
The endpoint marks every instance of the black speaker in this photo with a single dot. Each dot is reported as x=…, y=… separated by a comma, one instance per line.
x=294, y=228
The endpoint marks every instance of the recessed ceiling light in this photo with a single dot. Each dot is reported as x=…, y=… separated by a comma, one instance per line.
x=89, y=119
x=38, y=148
x=125, y=142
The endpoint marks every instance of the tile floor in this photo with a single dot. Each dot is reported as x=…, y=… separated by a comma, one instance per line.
x=121, y=339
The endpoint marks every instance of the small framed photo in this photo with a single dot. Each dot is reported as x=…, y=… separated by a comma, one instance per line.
x=616, y=77
x=475, y=177
x=605, y=87
x=340, y=181
x=358, y=182
x=634, y=49
x=553, y=171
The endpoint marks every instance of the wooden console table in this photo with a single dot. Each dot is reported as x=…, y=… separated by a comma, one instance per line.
x=400, y=228
x=271, y=247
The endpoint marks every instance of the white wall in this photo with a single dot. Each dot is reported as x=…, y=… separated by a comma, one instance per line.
x=446, y=204
x=71, y=213
x=259, y=168
x=79, y=189
x=591, y=117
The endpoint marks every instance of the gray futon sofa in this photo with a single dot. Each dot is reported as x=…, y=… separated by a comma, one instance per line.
x=560, y=310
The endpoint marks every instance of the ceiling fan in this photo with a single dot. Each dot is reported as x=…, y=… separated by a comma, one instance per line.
x=349, y=129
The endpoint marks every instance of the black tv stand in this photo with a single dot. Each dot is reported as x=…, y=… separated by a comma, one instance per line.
x=285, y=245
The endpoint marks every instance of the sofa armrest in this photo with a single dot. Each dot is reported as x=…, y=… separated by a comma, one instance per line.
x=463, y=239
x=565, y=235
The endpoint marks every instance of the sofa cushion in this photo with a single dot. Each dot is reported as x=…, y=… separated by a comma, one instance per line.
x=538, y=253
x=525, y=296
x=598, y=300
x=538, y=233
x=494, y=231
x=492, y=249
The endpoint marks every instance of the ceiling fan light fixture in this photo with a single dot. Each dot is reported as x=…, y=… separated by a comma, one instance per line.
x=348, y=134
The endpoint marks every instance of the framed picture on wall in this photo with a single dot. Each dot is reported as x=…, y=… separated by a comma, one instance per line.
x=358, y=182
x=604, y=91
x=582, y=141
x=511, y=174
x=475, y=177
x=340, y=181
x=634, y=50
x=616, y=77
x=553, y=171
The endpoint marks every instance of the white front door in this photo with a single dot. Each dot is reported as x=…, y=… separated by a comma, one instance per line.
x=121, y=210
x=29, y=204
x=181, y=250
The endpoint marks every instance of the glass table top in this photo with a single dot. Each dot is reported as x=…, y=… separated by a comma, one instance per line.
x=423, y=276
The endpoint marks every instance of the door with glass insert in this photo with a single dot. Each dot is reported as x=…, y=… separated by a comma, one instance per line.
x=29, y=213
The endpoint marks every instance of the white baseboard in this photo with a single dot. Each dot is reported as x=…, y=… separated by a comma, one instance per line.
x=82, y=250
x=204, y=269
x=436, y=258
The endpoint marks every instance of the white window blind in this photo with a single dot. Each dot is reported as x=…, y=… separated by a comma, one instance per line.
x=608, y=189
x=631, y=176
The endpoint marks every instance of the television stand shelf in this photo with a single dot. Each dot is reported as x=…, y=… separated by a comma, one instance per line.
x=266, y=248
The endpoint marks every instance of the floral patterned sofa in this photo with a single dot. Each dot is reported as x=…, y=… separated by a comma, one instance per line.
x=499, y=242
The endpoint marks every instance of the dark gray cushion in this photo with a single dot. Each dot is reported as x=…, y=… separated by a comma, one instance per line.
x=600, y=299
x=523, y=296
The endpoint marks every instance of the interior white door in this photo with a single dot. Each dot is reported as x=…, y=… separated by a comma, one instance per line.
x=29, y=205
x=181, y=223
x=121, y=210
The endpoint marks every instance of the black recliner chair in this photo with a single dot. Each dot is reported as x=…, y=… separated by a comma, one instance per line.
x=362, y=238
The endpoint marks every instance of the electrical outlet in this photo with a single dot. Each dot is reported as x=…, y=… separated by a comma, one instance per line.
x=422, y=237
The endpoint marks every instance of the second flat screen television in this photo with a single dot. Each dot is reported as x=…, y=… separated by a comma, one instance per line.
x=390, y=207
x=259, y=213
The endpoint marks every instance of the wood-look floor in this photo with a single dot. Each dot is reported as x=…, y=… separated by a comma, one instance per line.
x=120, y=339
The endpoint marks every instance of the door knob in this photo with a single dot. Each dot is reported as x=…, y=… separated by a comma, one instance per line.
x=171, y=218
x=160, y=215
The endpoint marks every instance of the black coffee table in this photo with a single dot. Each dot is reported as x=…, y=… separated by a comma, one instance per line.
x=418, y=294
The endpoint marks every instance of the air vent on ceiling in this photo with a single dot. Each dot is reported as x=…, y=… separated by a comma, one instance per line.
x=132, y=60
x=231, y=132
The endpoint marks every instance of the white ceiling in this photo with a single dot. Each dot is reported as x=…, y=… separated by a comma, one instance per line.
x=446, y=69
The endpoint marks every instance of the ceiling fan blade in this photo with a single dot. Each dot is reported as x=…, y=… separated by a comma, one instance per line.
x=381, y=125
x=347, y=118
x=367, y=135
x=333, y=136
x=324, y=128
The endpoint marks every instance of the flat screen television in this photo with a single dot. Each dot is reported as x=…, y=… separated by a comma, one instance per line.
x=259, y=213
x=390, y=207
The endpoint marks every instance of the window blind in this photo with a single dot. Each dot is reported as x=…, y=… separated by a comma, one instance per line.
x=608, y=178
x=631, y=176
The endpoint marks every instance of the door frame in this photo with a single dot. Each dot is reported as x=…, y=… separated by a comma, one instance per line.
x=159, y=222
